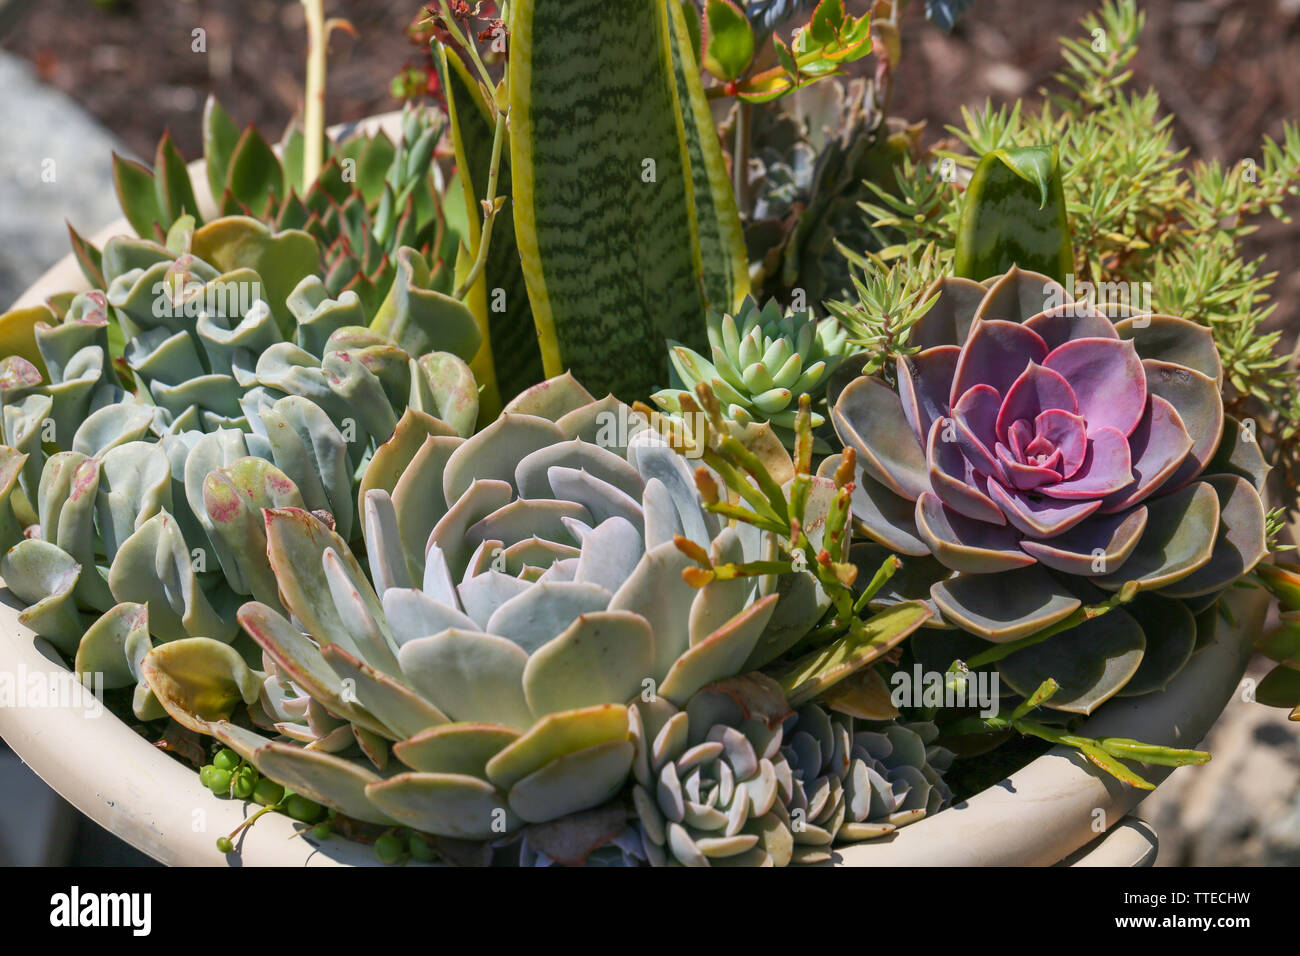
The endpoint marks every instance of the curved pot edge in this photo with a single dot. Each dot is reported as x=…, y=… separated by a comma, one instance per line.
x=1046, y=810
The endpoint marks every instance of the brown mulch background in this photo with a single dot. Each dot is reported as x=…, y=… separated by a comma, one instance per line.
x=1229, y=69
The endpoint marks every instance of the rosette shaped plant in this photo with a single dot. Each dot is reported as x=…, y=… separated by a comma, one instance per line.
x=1043, y=455
x=523, y=586
x=763, y=361
x=857, y=780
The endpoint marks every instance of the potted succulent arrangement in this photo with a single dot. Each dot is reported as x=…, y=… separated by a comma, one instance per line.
x=481, y=486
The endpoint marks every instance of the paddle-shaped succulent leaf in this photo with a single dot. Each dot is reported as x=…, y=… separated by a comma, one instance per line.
x=523, y=586
x=1040, y=451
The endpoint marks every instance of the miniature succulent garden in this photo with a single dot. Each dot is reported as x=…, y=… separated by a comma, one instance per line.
x=530, y=491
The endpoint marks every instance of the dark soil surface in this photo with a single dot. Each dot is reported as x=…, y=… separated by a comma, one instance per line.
x=1229, y=69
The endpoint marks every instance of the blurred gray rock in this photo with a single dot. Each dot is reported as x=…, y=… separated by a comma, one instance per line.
x=1243, y=807
x=56, y=166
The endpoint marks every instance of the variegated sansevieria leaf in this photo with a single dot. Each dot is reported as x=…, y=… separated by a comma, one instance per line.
x=723, y=262
x=602, y=190
x=509, y=359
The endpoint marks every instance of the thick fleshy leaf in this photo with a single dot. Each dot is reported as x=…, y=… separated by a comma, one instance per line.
x=282, y=259
x=1095, y=546
x=949, y=319
x=884, y=516
x=1167, y=338
x=1038, y=516
x=496, y=452
x=1157, y=447
x=1090, y=662
x=1170, y=631
x=869, y=416
x=551, y=399
x=115, y=646
x=322, y=777
x=1179, y=539
x=469, y=676
x=966, y=545
x=1069, y=321
x=445, y=804
x=1241, y=542
x=1018, y=295
x=391, y=701
x=573, y=782
x=455, y=748
x=601, y=658
x=995, y=355
x=656, y=592
x=722, y=654
x=298, y=657
x=1037, y=390
x=974, y=417
x=555, y=735
x=954, y=480
x=1107, y=468
x=43, y=576
x=1239, y=454
x=1200, y=405
x=1066, y=432
x=199, y=680
x=545, y=610
x=449, y=535
x=1107, y=376
x=1004, y=607
x=924, y=382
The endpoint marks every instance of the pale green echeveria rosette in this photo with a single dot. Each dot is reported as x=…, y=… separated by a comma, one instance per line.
x=523, y=586
x=1036, y=455
x=762, y=361
x=154, y=498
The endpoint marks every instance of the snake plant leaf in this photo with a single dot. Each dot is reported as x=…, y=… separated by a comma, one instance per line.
x=254, y=176
x=43, y=576
x=220, y=137
x=198, y=680
x=609, y=249
x=172, y=186
x=282, y=260
x=1091, y=662
x=1013, y=213
x=723, y=258
x=820, y=670
x=419, y=318
x=1170, y=630
x=510, y=353
x=154, y=566
x=137, y=196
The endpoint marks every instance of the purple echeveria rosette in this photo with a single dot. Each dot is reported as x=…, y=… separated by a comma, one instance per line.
x=1034, y=455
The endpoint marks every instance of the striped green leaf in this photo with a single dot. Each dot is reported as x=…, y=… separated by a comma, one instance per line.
x=722, y=241
x=602, y=190
x=500, y=300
